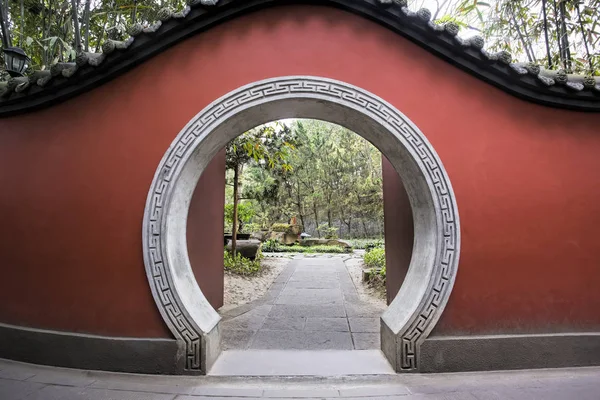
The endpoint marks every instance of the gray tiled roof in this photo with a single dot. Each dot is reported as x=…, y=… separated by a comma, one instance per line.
x=525, y=80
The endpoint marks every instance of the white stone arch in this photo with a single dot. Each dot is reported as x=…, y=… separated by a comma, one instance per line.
x=413, y=313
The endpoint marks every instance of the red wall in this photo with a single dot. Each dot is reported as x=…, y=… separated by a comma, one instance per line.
x=399, y=229
x=75, y=177
x=205, y=230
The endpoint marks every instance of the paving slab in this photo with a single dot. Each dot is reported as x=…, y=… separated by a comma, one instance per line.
x=284, y=324
x=364, y=325
x=298, y=310
x=319, y=375
x=301, y=363
x=234, y=339
x=17, y=390
x=316, y=295
x=366, y=341
x=294, y=340
x=362, y=310
x=327, y=324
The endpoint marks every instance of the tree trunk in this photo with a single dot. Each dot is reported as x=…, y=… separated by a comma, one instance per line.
x=565, y=37
x=235, y=208
x=316, y=216
x=87, y=25
x=101, y=37
x=6, y=41
x=22, y=3
x=521, y=38
x=546, y=34
x=300, y=208
x=76, y=33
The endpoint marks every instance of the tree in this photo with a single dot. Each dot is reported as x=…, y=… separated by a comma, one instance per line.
x=564, y=33
x=334, y=185
x=560, y=34
x=268, y=147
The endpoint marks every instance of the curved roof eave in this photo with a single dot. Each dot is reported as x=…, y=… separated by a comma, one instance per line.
x=526, y=81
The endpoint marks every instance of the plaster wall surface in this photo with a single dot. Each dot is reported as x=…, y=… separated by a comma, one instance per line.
x=205, y=230
x=75, y=177
x=398, y=229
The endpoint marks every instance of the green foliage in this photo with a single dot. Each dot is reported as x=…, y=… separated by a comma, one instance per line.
x=304, y=249
x=45, y=29
x=328, y=232
x=376, y=277
x=245, y=214
x=250, y=228
x=334, y=186
x=375, y=258
x=366, y=244
x=241, y=265
x=279, y=227
x=271, y=246
x=518, y=26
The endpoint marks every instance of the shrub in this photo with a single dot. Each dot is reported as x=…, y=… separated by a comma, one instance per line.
x=271, y=246
x=241, y=265
x=375, y=258
x=375, y=244
x=329, y=232
x=366, y=244
x=268, y=246
x=376, y=277
x=278, y=227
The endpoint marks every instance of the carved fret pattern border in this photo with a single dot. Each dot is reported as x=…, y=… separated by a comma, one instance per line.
x=159, y=273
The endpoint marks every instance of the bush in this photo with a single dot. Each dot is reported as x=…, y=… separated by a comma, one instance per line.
x=328, y=232
x=375, y=258
x=241, y=265
x=376, y=277
x=271, y=246
x=278, y=227
x=366, y=244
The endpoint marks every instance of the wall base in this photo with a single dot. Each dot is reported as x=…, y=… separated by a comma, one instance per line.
x=498, y=352
x=73, y=350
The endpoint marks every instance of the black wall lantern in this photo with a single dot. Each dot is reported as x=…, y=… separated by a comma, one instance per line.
x=16, y=61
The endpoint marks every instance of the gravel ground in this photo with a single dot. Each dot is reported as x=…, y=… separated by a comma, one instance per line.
x=241, y=290
x=368, y=294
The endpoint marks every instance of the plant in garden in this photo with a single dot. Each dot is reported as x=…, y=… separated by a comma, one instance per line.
x=245, y=215
x=375, y=258
x=271, y=246
x=266, y=146
x=240, y=265
x=279, y=227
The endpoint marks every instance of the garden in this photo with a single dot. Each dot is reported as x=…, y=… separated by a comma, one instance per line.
x=302, y=188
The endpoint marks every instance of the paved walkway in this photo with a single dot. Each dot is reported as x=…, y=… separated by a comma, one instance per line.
x=30, y=382
x=312, y=305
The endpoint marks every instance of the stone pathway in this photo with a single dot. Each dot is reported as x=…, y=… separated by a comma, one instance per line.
x=312, y=305
x=19, y=381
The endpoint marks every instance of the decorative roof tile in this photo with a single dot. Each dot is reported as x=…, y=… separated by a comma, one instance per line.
x=525, y=80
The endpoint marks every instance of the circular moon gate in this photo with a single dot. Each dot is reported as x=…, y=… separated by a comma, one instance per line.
x=418, y=305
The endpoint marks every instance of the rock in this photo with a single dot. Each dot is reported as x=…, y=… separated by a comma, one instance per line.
x=260, y=235
x=283, y=237
x=247, y=248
